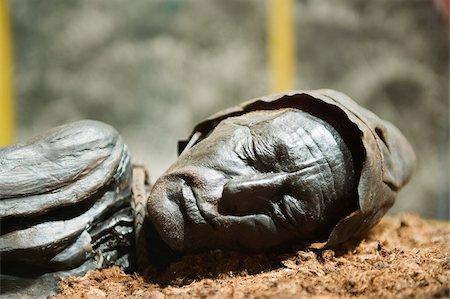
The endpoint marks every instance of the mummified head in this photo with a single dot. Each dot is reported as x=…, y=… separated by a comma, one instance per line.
x=259, y=181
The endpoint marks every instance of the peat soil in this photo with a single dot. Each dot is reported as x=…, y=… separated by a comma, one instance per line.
x=402, y=257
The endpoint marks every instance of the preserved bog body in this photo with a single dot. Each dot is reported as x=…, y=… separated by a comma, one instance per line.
x=304, y=166
x=293, y=168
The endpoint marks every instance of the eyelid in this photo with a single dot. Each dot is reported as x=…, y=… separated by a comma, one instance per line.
x=248, y=150
x=263, y=147
x=245, y=151
x=257, y=152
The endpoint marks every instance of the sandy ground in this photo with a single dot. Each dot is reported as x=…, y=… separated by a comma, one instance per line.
x=403, y=257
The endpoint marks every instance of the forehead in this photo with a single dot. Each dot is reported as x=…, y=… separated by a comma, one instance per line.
x=286, y=140
x=289, y=138
x=258, y=118
x=283, y=125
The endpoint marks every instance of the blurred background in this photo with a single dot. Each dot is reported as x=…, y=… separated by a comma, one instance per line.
x=152, y=69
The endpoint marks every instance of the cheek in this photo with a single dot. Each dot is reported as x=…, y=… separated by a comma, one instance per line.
x=208, y=192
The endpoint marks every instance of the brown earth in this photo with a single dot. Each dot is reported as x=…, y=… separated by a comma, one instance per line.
x=403, y=257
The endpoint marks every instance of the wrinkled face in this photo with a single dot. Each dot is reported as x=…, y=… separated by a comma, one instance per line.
x=259, y=181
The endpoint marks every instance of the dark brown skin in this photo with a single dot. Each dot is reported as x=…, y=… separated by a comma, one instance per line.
x=259, y=181
x=304, y=166
x=64, y=207
x=242, y=181
x=61, y=194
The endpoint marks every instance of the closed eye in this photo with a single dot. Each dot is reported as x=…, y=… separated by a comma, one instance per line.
x=264, y=153
x=254, y=154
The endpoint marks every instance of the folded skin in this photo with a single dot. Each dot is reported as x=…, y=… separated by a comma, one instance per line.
x=49, y=161
x=287, y=168
x=59, y=187
x=259, y=181
x=59, y=168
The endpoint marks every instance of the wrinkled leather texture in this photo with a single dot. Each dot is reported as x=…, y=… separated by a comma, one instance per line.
x=64, y=206
x=384, y=159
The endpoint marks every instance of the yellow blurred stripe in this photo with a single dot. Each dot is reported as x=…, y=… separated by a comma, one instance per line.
x=281, y=46
x=6, y=73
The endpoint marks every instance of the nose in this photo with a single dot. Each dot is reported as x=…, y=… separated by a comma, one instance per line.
x=252, y=195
